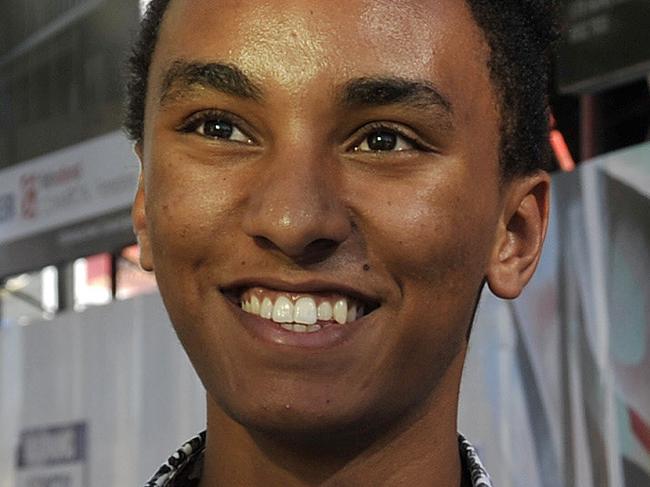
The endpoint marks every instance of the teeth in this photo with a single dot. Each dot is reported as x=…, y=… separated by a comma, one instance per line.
x=266, y=309
x=341, y=311
x=301, y=315
x=302, y=328
x=255, y=305
x=305, y=311
x=352, y=313
x=283, y=310
x=324, y=311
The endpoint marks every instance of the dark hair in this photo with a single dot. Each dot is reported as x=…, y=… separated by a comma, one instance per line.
x=138, y=65
x=520, y=34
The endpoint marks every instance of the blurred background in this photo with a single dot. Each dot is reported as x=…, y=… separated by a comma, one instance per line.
x=90, y=368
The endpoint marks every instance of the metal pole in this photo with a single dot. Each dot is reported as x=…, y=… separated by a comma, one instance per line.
x=65, y=287
x=589, y=127
x=115, y=256
x=3, y=282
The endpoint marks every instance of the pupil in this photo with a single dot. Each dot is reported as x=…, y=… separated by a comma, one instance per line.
x=218, y=128
x=382, y=141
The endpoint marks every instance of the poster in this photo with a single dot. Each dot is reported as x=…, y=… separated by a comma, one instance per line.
x=53, y=456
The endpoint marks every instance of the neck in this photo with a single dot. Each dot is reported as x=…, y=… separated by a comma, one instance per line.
x=419, y=449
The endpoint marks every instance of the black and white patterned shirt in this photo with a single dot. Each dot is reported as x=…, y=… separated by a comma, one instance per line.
x=183, y=468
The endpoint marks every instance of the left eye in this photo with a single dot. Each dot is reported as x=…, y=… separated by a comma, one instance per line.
x=222, y=129
x=384, y=141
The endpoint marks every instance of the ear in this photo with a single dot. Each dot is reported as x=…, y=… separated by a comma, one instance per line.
x=521, y=232
x=139, y=218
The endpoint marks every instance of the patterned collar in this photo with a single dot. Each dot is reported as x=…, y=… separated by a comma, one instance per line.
x=183, y=468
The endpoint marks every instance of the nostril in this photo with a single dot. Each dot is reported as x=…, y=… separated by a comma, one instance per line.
x=264, y=243
x=319, y=250
x=314, y=252
x=322, y=245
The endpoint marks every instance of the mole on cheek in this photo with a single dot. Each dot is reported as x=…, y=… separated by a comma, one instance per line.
x=366, y=267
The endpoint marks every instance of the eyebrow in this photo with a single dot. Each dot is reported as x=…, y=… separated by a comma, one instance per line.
x=182, y=76
x=380, y=91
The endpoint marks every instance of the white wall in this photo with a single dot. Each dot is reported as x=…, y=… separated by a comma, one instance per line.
x=120, y=370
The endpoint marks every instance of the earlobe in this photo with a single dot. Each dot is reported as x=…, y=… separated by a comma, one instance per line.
x=521, y=232
x=139, y=219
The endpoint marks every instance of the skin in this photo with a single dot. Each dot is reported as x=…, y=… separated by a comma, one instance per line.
x=419, y=231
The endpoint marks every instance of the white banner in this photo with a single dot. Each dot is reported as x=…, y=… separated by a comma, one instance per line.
x=80, y=182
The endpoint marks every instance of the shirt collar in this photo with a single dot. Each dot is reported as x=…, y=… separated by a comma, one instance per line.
x=183, y=468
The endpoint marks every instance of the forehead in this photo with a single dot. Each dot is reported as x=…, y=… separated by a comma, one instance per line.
x=292, y=43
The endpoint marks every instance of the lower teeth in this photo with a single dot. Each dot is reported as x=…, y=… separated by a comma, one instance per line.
x=302, y=328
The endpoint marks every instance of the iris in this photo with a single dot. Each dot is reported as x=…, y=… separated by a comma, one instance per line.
x=221, y=129
x=382, y=141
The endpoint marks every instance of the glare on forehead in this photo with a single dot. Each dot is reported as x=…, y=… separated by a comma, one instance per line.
x=292, y=45
x=292, y=42
x=395, y=21
x=285, y=47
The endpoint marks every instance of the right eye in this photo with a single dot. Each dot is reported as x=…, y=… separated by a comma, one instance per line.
x=216, y=127
x=384, y=141
x=222, y=129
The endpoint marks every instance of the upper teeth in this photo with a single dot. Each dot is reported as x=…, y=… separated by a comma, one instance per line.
x=300, y=313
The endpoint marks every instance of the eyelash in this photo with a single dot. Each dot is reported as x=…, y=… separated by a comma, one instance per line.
x=192, y=124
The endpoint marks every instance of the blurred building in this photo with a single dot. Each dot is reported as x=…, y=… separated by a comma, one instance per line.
x=67, y=172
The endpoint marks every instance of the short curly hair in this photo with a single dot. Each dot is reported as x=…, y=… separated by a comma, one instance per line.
x=521, y=35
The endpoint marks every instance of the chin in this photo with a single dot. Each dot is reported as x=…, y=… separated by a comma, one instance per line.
x=315, y=421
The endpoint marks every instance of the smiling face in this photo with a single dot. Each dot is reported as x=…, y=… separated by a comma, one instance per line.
x=321, y=202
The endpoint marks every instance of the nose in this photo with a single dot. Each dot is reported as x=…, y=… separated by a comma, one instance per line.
x=296, y=208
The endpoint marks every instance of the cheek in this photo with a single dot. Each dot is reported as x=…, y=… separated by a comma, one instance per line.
x=434, y=243
x=189, y=210
x=188, y=207
x=432, y=234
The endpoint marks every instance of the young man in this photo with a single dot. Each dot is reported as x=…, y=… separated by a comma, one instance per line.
x=326, y=187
